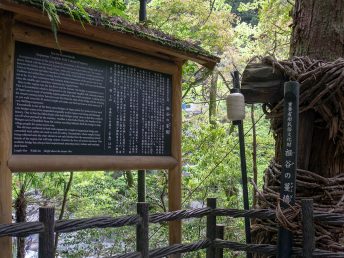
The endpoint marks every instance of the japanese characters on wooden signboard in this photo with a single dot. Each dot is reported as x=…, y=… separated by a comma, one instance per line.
x=290, y=142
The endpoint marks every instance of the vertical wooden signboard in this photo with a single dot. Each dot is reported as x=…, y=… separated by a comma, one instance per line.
x=6, y=63
x=289, y=161
x=23, y=151
x=175, y=174
x=109, y=135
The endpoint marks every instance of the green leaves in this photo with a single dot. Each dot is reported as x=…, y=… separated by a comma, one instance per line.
x=50, y=9
x=108, y=7
x=208, y=25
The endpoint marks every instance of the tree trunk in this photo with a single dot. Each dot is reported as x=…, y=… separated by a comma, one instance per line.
x=318, y=33
x=20, y=209
x=318, y=29
x=63, y=206
x=212, y=98
x=129, y=178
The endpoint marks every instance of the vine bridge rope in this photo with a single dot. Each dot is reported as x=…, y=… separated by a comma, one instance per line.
x=327, y=194
x=321, y=90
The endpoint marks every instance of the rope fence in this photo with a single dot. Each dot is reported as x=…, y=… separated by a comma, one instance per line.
x=213, y=243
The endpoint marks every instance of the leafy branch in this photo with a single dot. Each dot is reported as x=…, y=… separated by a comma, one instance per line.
x=50, y=8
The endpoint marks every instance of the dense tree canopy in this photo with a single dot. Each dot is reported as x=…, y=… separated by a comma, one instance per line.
x=237, y=31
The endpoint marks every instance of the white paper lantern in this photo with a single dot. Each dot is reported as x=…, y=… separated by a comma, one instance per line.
x=235, y=107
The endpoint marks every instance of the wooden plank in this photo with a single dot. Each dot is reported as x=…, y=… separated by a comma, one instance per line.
x=41, y=23
x=262, y=84
x=175, y=174
x=44, y=163
x=142, y=229
x=211, y=228
x=97, y=33
x=45, y=38
x=220, y=234
x=38, y=163
x=6, y=70
x=308, y=229
x=46, y=248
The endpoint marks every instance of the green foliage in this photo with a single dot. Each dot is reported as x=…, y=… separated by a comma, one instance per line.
x=109, y=7
x=77, y=11
x=51, y=11
x=212, y=168
x=237, y=31
x=249, y=15
x=202, y=22
x=272, y=34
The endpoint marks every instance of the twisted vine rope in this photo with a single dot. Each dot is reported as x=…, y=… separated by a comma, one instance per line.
x=322, y=89
x=22, y=229
x=286, y=218
x=327, y=194
x=223, y=244
x=64, y=226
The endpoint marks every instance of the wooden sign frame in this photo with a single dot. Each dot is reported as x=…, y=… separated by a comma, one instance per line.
x=37, y=163
x=12, y=31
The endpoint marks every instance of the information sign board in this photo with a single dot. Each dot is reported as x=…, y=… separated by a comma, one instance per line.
x=70, y=104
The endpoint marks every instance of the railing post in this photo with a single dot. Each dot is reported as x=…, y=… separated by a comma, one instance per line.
x=211, y=228
x=46, y=238
x=142, y=241
x=220, y=233
x=141, y=186
x=308, y=228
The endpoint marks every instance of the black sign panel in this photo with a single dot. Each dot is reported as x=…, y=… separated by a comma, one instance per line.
x=71, y=104
x=289, y=161
x=290, y=142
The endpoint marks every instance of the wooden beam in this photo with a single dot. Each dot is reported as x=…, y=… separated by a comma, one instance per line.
x=6, y=70
x=40, y=163
x=262, y=84
x=97, y=33
x=175, y=174
x=44, y=37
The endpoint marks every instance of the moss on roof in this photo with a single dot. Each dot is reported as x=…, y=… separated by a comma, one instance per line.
x=118, y=24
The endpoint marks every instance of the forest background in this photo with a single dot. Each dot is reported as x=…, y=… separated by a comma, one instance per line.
x=238, y=32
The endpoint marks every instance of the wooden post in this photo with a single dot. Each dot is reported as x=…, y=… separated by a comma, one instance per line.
x=211, y=228
x=141, y=185
x=240, y=124
x=46, y=247
x=6, y=71
x=220, y=234
x=143, y=11
x=308, y=229
x=175, y=174
x=289, y=161
x=142, y=240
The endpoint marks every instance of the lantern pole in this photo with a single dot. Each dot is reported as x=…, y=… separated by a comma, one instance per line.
x=143, y=11
x=141, y=174
x=240, y=124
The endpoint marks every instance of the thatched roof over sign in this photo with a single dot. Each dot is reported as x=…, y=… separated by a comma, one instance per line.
x=166, y=45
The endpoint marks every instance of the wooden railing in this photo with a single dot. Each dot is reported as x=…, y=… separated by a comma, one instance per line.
x=214, y=243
